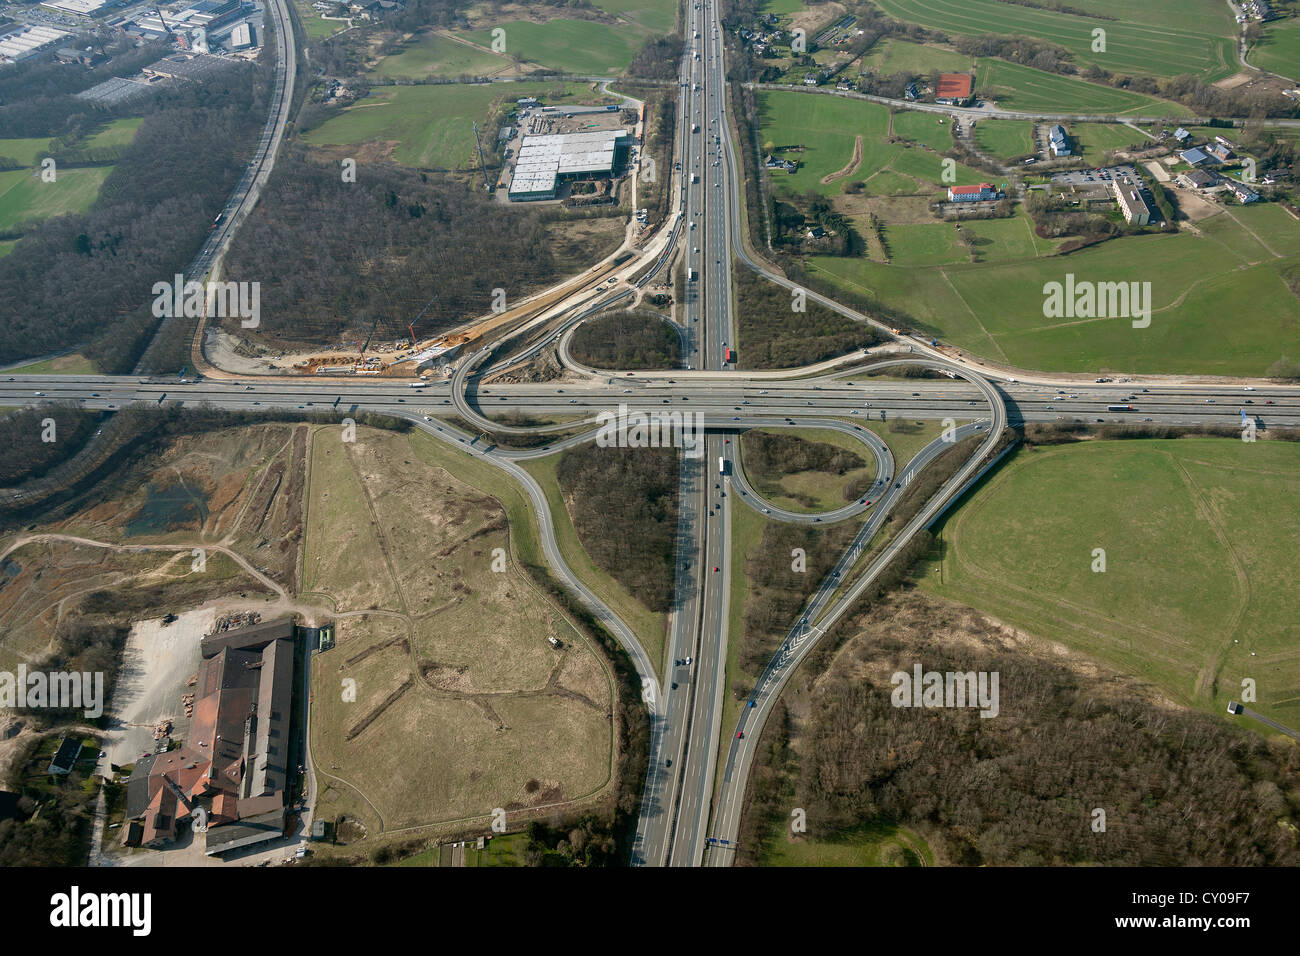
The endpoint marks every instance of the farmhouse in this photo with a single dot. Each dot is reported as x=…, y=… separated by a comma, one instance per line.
x=66, y=756
x=1059, y=141
x=230, y=777
x=954, y=89
x=983, y=191
x=1220, y=152
x=1243, y=192
x=1132, y=205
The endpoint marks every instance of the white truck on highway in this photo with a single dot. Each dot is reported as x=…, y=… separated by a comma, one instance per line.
x=723, y=467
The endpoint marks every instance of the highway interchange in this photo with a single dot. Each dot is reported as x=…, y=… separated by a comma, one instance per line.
x=688, y=817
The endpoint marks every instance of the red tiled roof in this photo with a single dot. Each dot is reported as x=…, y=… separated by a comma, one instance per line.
x=970, y=190
x=955, y=85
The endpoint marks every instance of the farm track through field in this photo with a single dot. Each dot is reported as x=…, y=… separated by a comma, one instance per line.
x=1208, y=677
x=852, y=166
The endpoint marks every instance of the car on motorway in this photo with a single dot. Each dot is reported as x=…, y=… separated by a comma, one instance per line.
x=40, y=393
x=740, y=734
x=1269, y=402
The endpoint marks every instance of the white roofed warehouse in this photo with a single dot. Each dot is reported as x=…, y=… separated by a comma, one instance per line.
x=545, y=162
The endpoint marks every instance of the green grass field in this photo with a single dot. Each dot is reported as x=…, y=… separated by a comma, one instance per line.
x=1279, y=52
x=28, y=152
x=432, y=54
x=826, y=126
x=72, y=364
x=924, y=128
x=1091, y=140
x=873, y=844
x=1155, y=37
x=117, y=133
x=570, y=46
x=431, y=125
x=317, y=29
x=995, y=308
x=781, y=7
x=1197, y=592
x=24, y=197
x=654, y=16
x=1017, y=87
x=1005, y=138
x=937, y=243
x=893, y=55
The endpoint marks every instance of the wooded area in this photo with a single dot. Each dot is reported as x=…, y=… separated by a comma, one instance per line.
x=623, y=502
x=336, y=259
x=773, y=335
x=85, y=278
x=1178, y=787
x=627, y=340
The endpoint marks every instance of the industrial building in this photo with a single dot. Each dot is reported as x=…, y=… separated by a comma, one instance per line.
x=547, y=161
x=230, y=777
x=29, y=41
x=80, y=8
x=207, y=15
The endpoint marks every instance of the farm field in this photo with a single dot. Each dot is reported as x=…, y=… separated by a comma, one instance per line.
x=1091, y=140
x=430, y=126
x=827, y=126
x=1279, y=52
x=24, y=197
x=892, y=55
x=27, y=152
x=924, y=128
x=1017, y=87
x=1157, y=37
x=989, y=239
x=1194, y=597
x=995, y=308
x=432, y=54
x=571, y=46
x=1005, y=138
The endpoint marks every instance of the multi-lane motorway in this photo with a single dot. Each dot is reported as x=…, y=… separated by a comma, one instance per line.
x=689, y=817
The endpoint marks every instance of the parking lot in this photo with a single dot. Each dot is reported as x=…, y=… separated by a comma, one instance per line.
x=1103, y=176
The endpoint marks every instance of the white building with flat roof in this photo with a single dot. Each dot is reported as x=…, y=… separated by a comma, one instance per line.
x=79, y=8
x=28, y=42
x=545, y=161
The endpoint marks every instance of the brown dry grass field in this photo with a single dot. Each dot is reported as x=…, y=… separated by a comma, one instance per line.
x=461, y=705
